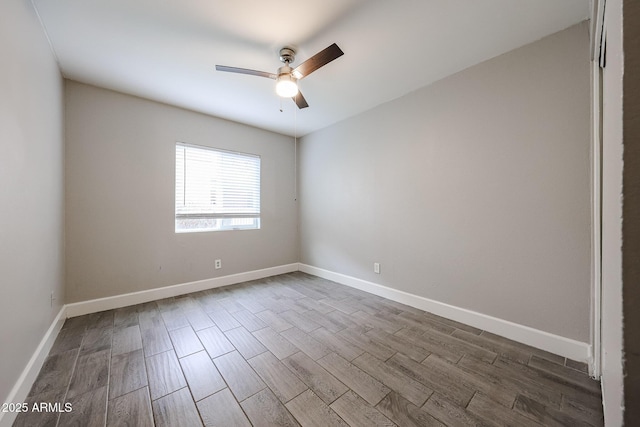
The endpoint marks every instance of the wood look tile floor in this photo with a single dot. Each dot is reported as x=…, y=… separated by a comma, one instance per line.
x=299, y=350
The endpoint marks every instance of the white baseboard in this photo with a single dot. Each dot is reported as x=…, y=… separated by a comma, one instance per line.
x=21, y=388
x=124, y=300
x=556, y=344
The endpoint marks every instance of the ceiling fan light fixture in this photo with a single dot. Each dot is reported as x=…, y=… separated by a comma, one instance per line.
x=286, y=87
x=286, y=84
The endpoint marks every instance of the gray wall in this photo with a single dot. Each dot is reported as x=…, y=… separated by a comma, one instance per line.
x=31, y=189
x=120, y=171
x=473, y=191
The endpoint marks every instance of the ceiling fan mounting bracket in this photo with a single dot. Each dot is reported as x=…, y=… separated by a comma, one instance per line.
x=287, y=55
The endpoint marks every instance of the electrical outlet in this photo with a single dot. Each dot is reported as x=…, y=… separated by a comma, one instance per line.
x=218, y=264
x=376, y=267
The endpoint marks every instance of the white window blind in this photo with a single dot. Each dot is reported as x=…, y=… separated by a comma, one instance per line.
x=216, y=189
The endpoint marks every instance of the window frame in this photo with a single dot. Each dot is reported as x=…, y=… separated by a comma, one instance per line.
x=223, y=221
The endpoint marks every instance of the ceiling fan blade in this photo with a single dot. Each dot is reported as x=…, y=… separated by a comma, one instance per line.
x=245, y=71
x=300, y=101
x=318, y=60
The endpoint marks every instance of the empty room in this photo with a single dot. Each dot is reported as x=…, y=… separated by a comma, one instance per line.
x=319, y=213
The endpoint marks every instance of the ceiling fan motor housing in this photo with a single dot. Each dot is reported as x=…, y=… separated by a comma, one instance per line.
x=285, y=70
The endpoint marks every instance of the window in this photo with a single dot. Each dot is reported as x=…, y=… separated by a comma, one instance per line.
x=216, y=189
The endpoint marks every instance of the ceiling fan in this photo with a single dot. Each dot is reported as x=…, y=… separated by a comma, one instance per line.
x=286, y=77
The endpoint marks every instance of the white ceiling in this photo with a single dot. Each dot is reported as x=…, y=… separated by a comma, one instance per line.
x=166, y=50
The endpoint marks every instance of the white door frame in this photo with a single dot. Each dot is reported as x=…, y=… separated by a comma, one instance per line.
x=597, y=37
